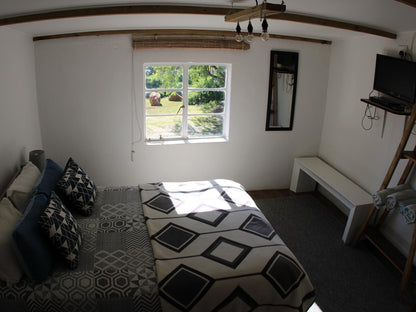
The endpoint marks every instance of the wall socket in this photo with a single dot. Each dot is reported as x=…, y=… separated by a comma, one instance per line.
x=403, y=51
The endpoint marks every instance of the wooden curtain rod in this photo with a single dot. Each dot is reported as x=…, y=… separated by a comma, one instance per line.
x=183, y=9
x=158, y=32
x=210, y=43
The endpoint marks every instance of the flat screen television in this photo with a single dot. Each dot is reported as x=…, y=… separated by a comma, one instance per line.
x=395, y=77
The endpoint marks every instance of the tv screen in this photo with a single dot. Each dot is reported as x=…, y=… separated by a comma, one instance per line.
x=395, y=77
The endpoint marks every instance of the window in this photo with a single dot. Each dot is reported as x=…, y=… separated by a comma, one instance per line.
x=186, y=101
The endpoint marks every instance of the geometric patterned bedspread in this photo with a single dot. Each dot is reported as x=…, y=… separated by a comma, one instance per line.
x=116, y=268
x=215, y=251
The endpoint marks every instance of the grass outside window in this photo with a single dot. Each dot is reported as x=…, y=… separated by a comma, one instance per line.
x=186, y=101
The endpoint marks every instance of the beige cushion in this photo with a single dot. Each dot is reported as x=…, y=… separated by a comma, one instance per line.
x=10, y=270
x=20, y=191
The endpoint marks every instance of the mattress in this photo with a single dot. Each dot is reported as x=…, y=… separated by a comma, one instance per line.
x=216, y=251
x=189, y=246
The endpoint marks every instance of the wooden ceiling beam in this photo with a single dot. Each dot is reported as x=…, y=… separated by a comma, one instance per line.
x=182, y=9
x=258, y=11
x=162, y=32
x=115, y=10
x=299, y=18
x=408, y=2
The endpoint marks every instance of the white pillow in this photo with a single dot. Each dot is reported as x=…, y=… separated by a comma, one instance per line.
x=20, y=191
x=10, y=270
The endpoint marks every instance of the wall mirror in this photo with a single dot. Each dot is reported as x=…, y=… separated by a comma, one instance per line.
x=282, y=90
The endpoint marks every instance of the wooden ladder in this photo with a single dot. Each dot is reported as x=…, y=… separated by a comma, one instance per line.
x=400, y=154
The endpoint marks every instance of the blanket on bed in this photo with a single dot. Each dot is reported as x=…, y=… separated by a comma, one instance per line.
x=116, y=270
x=215, y=251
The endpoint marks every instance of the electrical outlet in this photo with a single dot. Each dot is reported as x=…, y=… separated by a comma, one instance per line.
x=403, y=51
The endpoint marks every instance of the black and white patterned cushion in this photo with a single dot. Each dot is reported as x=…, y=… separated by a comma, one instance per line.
x=77, y=187
x=62, y=229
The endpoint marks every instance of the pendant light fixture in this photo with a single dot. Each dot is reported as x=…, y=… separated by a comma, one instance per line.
x=238, y=37
x=258, y=11
x=250, y=35
x=264, y=33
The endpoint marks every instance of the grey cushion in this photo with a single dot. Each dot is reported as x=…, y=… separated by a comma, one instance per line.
x=20, y=191
x=10, y=270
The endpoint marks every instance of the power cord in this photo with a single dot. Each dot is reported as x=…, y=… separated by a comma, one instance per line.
x=370, y=116
x=134, y=112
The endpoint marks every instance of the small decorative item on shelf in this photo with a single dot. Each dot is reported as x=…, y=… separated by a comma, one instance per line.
x=37, y=157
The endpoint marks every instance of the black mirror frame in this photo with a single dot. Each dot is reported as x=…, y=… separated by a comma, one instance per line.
x=295, y=56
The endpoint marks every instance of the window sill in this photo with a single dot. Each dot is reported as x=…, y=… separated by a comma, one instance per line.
x=189, y=141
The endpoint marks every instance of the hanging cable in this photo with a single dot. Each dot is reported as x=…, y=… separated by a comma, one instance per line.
x=370, y=116
x=134, y=112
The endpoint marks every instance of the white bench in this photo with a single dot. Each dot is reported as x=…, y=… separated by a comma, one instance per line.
x=307, y=171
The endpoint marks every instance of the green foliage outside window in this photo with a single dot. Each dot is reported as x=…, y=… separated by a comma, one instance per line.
x=205, y=105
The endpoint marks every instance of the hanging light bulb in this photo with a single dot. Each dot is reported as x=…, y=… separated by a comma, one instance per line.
x=250, y=35
x=238, y=36
x=264, y=34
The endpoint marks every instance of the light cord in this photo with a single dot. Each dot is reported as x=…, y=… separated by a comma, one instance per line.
x=370, y=116
x=134, y=112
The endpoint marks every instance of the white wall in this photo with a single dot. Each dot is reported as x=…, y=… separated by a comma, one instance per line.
x=19, y=117
x=84, y=88
x=363, y=156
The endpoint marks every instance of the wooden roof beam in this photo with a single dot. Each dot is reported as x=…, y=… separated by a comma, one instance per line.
x=182, y=9
x=259, y=11
x=319, y=21
x=408, y=2
x=114, y=10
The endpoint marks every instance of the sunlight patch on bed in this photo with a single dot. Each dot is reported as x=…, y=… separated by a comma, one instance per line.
x=196, y=206
x=315, y=308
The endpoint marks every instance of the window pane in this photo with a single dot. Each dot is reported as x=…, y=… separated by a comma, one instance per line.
x=164, y=77
x=206, y=102
x=207, y=76
x=162, y=103
x=165, y=126
x=205, y=126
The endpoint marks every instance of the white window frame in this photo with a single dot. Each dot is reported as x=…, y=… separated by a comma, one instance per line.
x=184, y=138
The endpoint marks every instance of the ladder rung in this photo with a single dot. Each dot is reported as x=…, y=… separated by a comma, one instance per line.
x=409, y=155
x=385, y=248
x=400, y=154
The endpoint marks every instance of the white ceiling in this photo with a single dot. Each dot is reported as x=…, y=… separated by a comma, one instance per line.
x=388, y=15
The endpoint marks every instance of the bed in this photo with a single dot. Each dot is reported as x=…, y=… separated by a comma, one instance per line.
x=186, y=246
